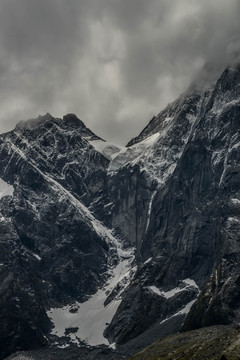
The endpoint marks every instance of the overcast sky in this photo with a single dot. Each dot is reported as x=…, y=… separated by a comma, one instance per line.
x=114, y=63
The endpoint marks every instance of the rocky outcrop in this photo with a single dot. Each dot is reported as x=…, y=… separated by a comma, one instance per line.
x=51, y=253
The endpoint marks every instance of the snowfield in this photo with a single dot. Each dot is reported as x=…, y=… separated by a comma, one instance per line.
x=168, y=294
x=105, y=148
x=90, y=319
x=5, y=189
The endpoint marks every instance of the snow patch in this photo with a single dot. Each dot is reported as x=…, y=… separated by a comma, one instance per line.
x=191, y=282
x=91, y=318
x=225, y=104
x=183, y=311
x=150, y=210
x=155, y=290
x=147, y=261
x=186, y=308
x=166, y=294
x=129, y=154
x=37, y=256
x=169, y=294
x=64, y=346
x=235, y=201
x=107, y=149
x=5, y=189
x=233, y=219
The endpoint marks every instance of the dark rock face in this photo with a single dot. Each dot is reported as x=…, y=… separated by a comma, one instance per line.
x=47, y=218
x=218, y=299
x=47, y=242
x=129, y=192
x=173, y=193
x=194, y=220
x=23, y=318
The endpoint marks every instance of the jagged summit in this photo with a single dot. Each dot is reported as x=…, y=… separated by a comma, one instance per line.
x=67, y=123
x=200, y=88
x=31, y=124
x=73, y=120
x=203, y=83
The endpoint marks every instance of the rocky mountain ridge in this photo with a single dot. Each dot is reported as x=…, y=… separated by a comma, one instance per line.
x=147, y=233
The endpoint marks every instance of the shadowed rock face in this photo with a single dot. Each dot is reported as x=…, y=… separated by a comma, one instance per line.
x=194, y=222
x=173, y=193
x=50, y=253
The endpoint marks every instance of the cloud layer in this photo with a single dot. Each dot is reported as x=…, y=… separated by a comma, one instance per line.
x=115, y=63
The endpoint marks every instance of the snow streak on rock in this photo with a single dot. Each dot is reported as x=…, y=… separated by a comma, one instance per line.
x=5, y=189
x=132, y=153
x=168, y=294
x=105, y=148
x=150, y=210
x=184, y=311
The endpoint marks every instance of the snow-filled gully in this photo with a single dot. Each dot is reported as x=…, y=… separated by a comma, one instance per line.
x=90, y=319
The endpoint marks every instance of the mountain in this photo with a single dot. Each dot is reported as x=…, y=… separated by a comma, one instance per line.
x=108, y=246
x=54, y=252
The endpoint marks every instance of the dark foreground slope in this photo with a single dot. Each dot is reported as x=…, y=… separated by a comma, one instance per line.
x=213, y=343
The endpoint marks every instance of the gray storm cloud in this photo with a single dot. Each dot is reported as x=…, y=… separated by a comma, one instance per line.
x=115, y=63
